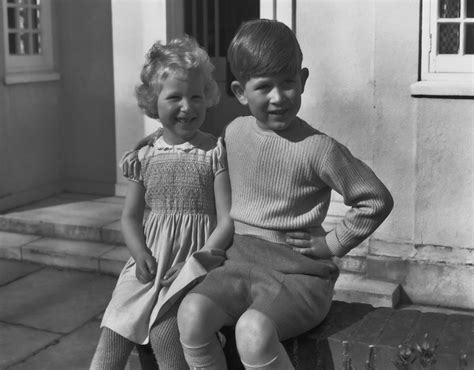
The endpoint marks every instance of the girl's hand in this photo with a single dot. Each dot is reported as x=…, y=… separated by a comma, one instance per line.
x=145, y=269
x=313, y=246
x=171, y=274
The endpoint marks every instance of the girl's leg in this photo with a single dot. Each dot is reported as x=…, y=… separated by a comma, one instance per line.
x=112, y=352
x=164, y=339
x=199, y=319
x=258, y=343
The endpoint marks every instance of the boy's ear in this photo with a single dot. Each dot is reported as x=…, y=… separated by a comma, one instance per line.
x=238, y=90
x=304, y=76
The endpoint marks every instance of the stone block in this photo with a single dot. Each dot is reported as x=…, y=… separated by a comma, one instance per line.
x=113, y=261
x=11, y=243
x=357, y=288
x=13, y=270
x=74, y=254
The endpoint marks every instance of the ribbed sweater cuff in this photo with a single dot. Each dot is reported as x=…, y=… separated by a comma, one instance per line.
x=333, y=244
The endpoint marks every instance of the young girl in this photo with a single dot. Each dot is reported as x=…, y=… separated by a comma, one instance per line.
x=183, y=178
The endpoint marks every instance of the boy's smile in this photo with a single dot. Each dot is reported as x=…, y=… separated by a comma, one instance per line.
x=273, y=100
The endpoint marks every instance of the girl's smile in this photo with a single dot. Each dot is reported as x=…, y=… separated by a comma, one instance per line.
x=181, y=106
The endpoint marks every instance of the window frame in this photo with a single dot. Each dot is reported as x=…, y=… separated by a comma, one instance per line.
x=31, y=67
x=442, y=75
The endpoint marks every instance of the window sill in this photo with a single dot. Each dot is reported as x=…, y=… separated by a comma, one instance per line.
x=442, y=89
x=29, y=77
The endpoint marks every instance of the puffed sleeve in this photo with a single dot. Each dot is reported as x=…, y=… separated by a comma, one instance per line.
x=219, y=157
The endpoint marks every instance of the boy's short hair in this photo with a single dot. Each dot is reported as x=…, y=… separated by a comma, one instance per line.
x=179, y=56
x=263, y=47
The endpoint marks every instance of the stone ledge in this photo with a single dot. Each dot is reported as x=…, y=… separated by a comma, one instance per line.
x=361, y=325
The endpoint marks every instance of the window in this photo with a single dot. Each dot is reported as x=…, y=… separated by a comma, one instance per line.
x=28, y=41
x=447, y=55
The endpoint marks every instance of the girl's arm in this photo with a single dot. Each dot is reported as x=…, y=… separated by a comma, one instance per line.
x=132, y=229
x=222, y=234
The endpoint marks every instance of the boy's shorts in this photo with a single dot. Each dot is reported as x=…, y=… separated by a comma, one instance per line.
x=293, y=290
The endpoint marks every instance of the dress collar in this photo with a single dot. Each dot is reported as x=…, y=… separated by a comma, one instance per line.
x=187, y=146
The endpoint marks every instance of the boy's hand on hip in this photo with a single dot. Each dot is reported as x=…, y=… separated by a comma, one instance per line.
x=145, y=267
x=312, y=246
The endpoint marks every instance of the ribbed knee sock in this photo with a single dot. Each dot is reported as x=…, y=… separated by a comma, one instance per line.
x=280, y=361
x=209, y=356
x=164, y=338
x=112, y=352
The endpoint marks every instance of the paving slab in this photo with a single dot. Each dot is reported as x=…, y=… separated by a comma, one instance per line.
x=13, y=270
x=17, y=343
x=10, y=244
x=82, y=255
x=73, y=351
x=55, y=300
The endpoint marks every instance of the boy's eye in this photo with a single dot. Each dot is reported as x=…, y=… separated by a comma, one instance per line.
x=197, y=97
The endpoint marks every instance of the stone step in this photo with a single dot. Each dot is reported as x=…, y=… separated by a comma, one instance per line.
x=73, y=254
x=357, y=288
x=68, y=216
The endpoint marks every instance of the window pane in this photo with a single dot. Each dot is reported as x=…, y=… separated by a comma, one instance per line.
x=12, y=43
x=449, y=8
x=469, y=39
x=448, y=38
x=24, y=44
x=35, y=18
x=470, y=8
x=11, y=18
x=36, y=43
x=23, y=20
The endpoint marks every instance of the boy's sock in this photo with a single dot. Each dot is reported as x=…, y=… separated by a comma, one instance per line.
x=281, y=361
x=209, y=356
x=112, y=351
x=164, y=339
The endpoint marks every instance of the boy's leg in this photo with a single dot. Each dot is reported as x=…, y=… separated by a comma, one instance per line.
x=258, y=343
x=199, y=319
x=164, y=339
x=112, y=352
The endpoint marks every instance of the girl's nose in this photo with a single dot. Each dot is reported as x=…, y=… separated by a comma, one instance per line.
x=185, y=105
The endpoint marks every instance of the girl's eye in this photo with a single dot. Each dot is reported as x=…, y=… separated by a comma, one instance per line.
x=197, y=97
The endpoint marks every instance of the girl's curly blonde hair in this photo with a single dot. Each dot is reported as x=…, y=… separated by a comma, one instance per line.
x=181, y=55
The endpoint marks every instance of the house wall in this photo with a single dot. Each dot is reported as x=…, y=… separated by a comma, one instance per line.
x=87, y=114
x=30, y=160
x=362, y=63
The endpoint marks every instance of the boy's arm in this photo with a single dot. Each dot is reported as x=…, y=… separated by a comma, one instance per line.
x=129, y=162
x=369, y=199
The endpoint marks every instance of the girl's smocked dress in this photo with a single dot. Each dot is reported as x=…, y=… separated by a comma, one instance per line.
x=179, y=189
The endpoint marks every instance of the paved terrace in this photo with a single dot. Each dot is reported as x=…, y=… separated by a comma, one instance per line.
x=59, y=260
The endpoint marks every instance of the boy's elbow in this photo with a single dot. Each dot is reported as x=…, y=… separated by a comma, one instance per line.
x=386, y=204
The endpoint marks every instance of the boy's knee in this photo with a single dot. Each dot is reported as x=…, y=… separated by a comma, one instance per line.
x=255, y=335
x=190, y=314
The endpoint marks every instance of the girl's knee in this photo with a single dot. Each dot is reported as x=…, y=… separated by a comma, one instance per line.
x=255, y=334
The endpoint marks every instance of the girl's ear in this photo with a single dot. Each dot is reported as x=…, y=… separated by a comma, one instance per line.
x=238, y=90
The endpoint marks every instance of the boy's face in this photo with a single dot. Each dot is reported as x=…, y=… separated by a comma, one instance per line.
x=273, y=100
x=181, y=106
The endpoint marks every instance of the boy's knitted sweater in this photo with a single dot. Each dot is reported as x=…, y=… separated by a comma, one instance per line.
x=282, y=181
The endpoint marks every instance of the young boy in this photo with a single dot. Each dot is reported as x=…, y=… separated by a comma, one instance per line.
x=278, y=279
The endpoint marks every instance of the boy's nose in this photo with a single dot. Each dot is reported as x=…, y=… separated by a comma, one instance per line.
x=276, y=95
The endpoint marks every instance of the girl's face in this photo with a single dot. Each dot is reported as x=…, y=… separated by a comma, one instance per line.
x=181, y=106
